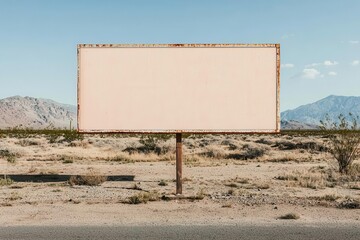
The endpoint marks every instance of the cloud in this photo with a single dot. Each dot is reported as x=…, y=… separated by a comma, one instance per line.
x=330, y=63
x=332, y=73
x=354, y=42
x=326, y=63
x=355, y=63
x=310, y=73
x=287, y=65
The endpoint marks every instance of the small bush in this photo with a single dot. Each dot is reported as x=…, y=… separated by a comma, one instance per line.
x=9, y=156
x=344, y=144
x=90, y=179
x=149, y=144
x=350, y=204
x=143, y=197
x=250, y=153
x=27, y=142
x=290, y=216
x=11, y=159
x=5, y=181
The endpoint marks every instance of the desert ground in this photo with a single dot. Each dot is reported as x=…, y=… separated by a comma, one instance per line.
x=70, y=179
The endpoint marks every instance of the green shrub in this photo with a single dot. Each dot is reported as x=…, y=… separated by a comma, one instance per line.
x=344, y=141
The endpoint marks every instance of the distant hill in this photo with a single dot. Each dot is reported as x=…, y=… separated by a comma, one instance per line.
x=35, y=113
x=314, y=112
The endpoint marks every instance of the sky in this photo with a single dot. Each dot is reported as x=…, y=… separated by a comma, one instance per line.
x=320, y=39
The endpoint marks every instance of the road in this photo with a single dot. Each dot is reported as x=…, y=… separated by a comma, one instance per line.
x=288, y=232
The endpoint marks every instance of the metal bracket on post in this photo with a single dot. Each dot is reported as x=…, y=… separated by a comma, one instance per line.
x=178, y=163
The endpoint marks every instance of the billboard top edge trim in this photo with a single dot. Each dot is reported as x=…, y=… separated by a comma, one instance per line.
x=197, y=131
x=207, y=45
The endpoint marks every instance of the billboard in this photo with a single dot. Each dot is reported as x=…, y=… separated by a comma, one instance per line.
x=178, y=88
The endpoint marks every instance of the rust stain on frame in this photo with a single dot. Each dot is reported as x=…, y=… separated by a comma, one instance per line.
x=101, y=125
x=186, y=45
x=278, y=87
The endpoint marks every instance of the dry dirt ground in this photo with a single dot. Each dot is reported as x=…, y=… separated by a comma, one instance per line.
x=227, y=179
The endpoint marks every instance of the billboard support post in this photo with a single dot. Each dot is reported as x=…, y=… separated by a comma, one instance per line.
x=178, y=163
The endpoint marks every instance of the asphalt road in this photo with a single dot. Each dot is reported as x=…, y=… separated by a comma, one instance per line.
x=184, y=232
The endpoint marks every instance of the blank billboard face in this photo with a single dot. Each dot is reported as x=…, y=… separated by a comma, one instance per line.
x=178, y=88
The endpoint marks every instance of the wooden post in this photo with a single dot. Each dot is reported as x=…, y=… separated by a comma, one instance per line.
x=178, y=163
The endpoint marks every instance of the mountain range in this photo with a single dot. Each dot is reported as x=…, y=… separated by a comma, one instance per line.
x=38, y=113
x=333, y=106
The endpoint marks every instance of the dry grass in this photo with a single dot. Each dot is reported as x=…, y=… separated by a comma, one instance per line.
x=313, y=180
x=328, y=197
x=90, y=179
x=143, y=197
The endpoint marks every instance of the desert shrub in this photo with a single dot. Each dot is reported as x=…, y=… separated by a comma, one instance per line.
x=309, y=145
x=149, y=144
x=5, y=181
x=27, y=142
x=213, y=152
x=138, y=198
x=61, y=136
x=90, y=179
x=143, y=197
x=344, y=142
x=9, y=156
x=264, y=141
x=350, y=204
x=249, y=153
x=231, y=144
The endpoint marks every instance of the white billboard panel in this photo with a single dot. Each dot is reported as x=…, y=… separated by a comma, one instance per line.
x=173, y=88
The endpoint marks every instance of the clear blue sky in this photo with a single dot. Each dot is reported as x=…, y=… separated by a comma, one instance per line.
x=320, y=39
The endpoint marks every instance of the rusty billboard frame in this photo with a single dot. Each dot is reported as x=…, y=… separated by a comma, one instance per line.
x=175, y=45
